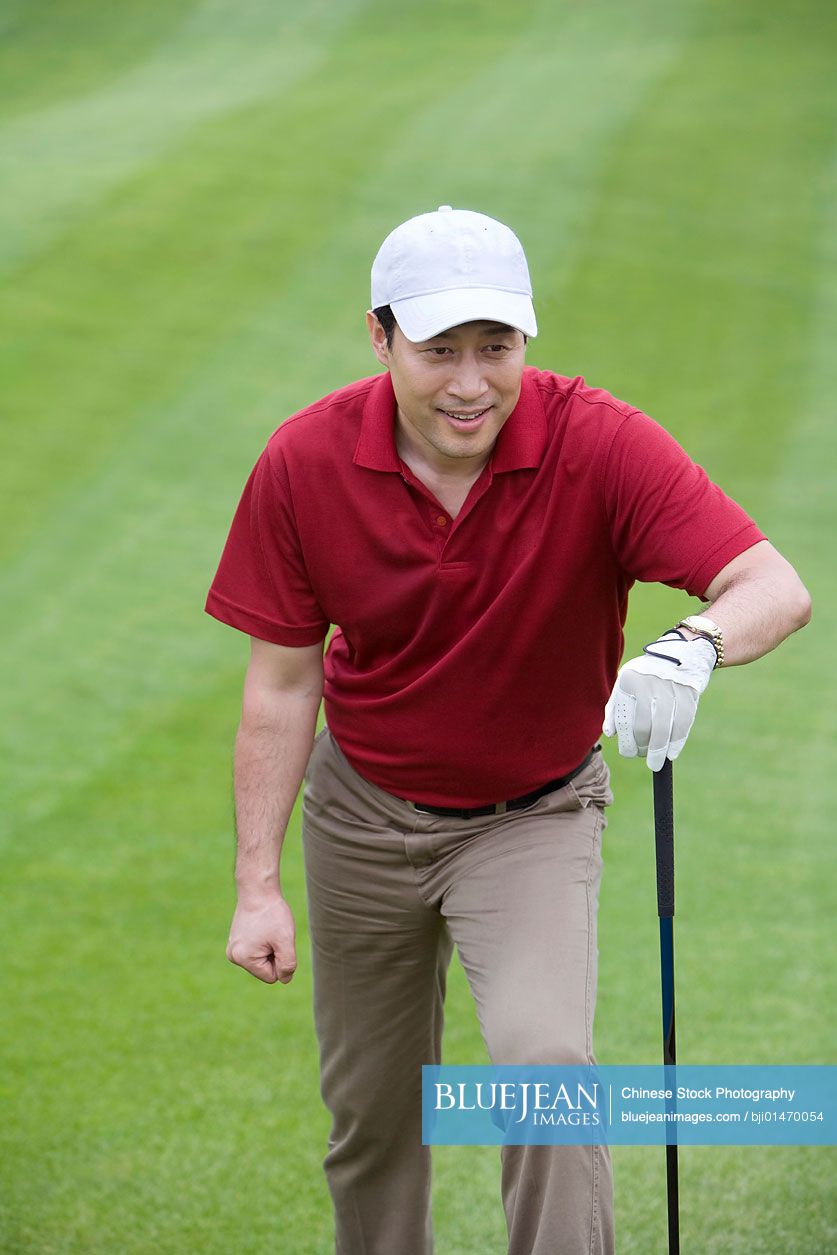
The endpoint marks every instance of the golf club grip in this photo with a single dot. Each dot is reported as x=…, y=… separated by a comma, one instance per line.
x=664, y=839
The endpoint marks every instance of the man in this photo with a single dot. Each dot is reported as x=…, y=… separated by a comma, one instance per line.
x=472, y=527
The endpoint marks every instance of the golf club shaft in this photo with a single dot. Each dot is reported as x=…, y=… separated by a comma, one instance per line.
x=667, y=988
x=670, y=1057
x=664, y=840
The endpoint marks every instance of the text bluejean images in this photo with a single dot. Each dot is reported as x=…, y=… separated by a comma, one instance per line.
x=718, y=1105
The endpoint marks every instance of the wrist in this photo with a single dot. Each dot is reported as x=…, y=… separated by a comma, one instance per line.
x=690, y=636
x=675, y=657
x=257, y=889
x=702, y=626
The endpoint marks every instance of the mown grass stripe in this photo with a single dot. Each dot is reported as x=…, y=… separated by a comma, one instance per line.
x=52, y=51
x=219, y=58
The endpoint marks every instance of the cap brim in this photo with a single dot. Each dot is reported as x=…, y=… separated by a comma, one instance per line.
x=422, y=317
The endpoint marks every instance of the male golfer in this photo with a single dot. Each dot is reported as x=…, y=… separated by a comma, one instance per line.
x=471, y=528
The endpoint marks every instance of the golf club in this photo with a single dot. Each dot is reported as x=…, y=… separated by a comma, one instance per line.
x=664, y=840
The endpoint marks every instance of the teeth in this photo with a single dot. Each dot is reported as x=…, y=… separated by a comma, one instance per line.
x=464, y=418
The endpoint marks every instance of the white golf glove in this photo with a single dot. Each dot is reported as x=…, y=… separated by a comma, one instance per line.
x=654, y=700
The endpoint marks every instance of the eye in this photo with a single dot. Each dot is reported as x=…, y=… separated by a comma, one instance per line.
x=497, y=348
x=438, y=351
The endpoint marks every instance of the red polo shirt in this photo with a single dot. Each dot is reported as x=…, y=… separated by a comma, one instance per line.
x=472, y=657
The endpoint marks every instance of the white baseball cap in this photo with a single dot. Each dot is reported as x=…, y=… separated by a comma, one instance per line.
x=453, y=266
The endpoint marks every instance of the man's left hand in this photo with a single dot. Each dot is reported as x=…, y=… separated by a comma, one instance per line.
x=653, y=704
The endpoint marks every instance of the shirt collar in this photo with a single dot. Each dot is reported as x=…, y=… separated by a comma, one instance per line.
x=522, y=439
x=376, y=443
x=520, y=444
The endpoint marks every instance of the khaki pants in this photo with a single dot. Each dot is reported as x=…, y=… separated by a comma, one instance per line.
x=390, y=891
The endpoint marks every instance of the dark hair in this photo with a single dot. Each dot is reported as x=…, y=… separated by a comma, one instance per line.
x=386, y=318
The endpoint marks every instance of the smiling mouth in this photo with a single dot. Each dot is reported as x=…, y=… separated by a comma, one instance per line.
x=464, y=416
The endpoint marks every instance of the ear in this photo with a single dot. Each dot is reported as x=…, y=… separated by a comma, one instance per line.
x=378, y=338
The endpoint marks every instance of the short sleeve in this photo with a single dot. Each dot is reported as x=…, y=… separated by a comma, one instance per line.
x=261, y=586
x=669, y=522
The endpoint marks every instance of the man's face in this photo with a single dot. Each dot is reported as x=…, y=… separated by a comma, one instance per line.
x=453, y=392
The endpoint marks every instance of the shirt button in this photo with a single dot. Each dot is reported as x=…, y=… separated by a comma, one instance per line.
x=441, y=520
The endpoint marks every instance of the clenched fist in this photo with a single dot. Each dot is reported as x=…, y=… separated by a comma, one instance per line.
x=262, y=939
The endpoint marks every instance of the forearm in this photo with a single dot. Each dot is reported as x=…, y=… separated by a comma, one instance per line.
x=757, y=610
x=272, y=749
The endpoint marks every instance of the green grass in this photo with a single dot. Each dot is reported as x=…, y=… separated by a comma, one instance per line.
x=195, y=194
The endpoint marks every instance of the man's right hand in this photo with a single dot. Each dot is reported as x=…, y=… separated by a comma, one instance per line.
x=262, y=940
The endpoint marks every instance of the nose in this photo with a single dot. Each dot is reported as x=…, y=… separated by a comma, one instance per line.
x=468, y=383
